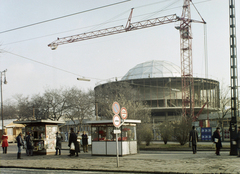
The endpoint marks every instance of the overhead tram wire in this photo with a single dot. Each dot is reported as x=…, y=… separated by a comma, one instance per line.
x=162, y=9
x=100, y=24
x=46, y=64
x=49, y=20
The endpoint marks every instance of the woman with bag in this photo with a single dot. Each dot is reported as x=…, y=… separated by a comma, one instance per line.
x=216, y=138
x=73, y=143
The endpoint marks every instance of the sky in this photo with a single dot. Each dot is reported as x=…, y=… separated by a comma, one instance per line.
x=32, y=67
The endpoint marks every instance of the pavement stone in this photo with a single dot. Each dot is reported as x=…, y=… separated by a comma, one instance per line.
x=144, y=162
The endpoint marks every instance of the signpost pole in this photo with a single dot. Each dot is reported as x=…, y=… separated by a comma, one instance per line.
x=117, y=150
x=117, y=122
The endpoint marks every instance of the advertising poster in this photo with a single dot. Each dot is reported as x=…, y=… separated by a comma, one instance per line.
x=51, y=131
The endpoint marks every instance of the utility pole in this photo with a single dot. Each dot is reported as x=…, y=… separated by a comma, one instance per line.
x=3, y=73
x=234, y=77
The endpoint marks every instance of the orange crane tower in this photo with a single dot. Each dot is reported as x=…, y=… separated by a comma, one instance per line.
x=185, y=46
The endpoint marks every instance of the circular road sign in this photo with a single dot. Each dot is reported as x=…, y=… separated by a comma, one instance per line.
x=124, y=113
x=116, y=108
x=116, y=121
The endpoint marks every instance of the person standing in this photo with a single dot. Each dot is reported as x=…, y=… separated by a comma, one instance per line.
x=29, y=141
x=237, y=139
x=4, y=143
x=58, y=143
x=85, y=142
x=19, y=145
x=216, y=138
x=193, y=137
x=73, y=142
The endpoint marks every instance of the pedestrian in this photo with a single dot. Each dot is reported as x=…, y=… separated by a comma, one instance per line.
x=85, y=142
x=193, y=137
x=58, y=143
x=4, y=143
x=237, y=139
x=79, y=140
x=74, y=148
x=29, y=140
x=216, y=138
x=19, y=145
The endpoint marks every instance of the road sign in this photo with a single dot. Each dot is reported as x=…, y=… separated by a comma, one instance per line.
x=116, y=121
x=117, y=131
x=124, y=113
x=116, y=108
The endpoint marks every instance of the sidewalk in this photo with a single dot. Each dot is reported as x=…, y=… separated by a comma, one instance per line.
x=144, y=162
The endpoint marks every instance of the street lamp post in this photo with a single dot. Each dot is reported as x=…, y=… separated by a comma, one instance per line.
x=3, y=73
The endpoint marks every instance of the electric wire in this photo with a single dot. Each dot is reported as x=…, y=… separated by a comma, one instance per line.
x=49, y=20
x=101, y=24
x=161, y=9
x=66, y=71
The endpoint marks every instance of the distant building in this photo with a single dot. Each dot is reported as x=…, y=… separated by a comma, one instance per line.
x=159, y=84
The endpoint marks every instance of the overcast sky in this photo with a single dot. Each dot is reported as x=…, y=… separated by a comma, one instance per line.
x=32, y=66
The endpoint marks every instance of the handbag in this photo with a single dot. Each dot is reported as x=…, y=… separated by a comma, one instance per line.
x=216, y=140
x=72, y=147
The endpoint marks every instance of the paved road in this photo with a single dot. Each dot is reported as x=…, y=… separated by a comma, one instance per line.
x=145, y=161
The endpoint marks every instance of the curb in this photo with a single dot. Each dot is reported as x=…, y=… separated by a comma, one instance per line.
x=92, y=170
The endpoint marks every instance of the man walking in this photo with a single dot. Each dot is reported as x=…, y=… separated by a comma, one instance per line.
x=19, y=145
x=193, y=137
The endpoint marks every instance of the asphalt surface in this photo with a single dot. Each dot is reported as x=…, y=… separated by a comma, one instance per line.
x=144, y=162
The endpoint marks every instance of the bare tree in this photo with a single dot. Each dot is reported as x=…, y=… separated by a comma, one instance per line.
x=9, y=110
x=225, y=105
x=128, y=97
x=55, y=103
x=79, y=105
x=40, y=107
x=24, y=108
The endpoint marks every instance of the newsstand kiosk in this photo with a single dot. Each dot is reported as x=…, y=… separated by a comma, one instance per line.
x=104, y=139
x=44, y=135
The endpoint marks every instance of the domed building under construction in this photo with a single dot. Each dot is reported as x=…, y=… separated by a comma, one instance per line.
x=159, y=84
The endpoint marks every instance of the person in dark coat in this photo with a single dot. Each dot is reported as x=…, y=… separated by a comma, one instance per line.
x=19, y=145
x=58, y=143
x=29, y=141
x=216, y=138
x=237, y=139
x=73, y=139
x=193, y=137
x=85, y=142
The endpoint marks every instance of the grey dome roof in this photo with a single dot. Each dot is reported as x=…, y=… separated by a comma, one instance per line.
x=153, y=69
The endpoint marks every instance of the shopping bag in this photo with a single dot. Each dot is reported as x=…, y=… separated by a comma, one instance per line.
x=72, y=147
x=216, y=140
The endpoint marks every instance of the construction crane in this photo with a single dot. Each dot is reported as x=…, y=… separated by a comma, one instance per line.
x=185, y=46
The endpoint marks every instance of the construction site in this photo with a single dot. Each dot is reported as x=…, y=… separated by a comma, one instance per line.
x=169, y=90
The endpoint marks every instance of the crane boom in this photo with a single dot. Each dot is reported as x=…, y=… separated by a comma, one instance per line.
x=115, y=30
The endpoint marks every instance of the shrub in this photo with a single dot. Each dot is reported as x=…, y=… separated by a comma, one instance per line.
x=166, y=130
x=181, y=131
x=144, y=133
